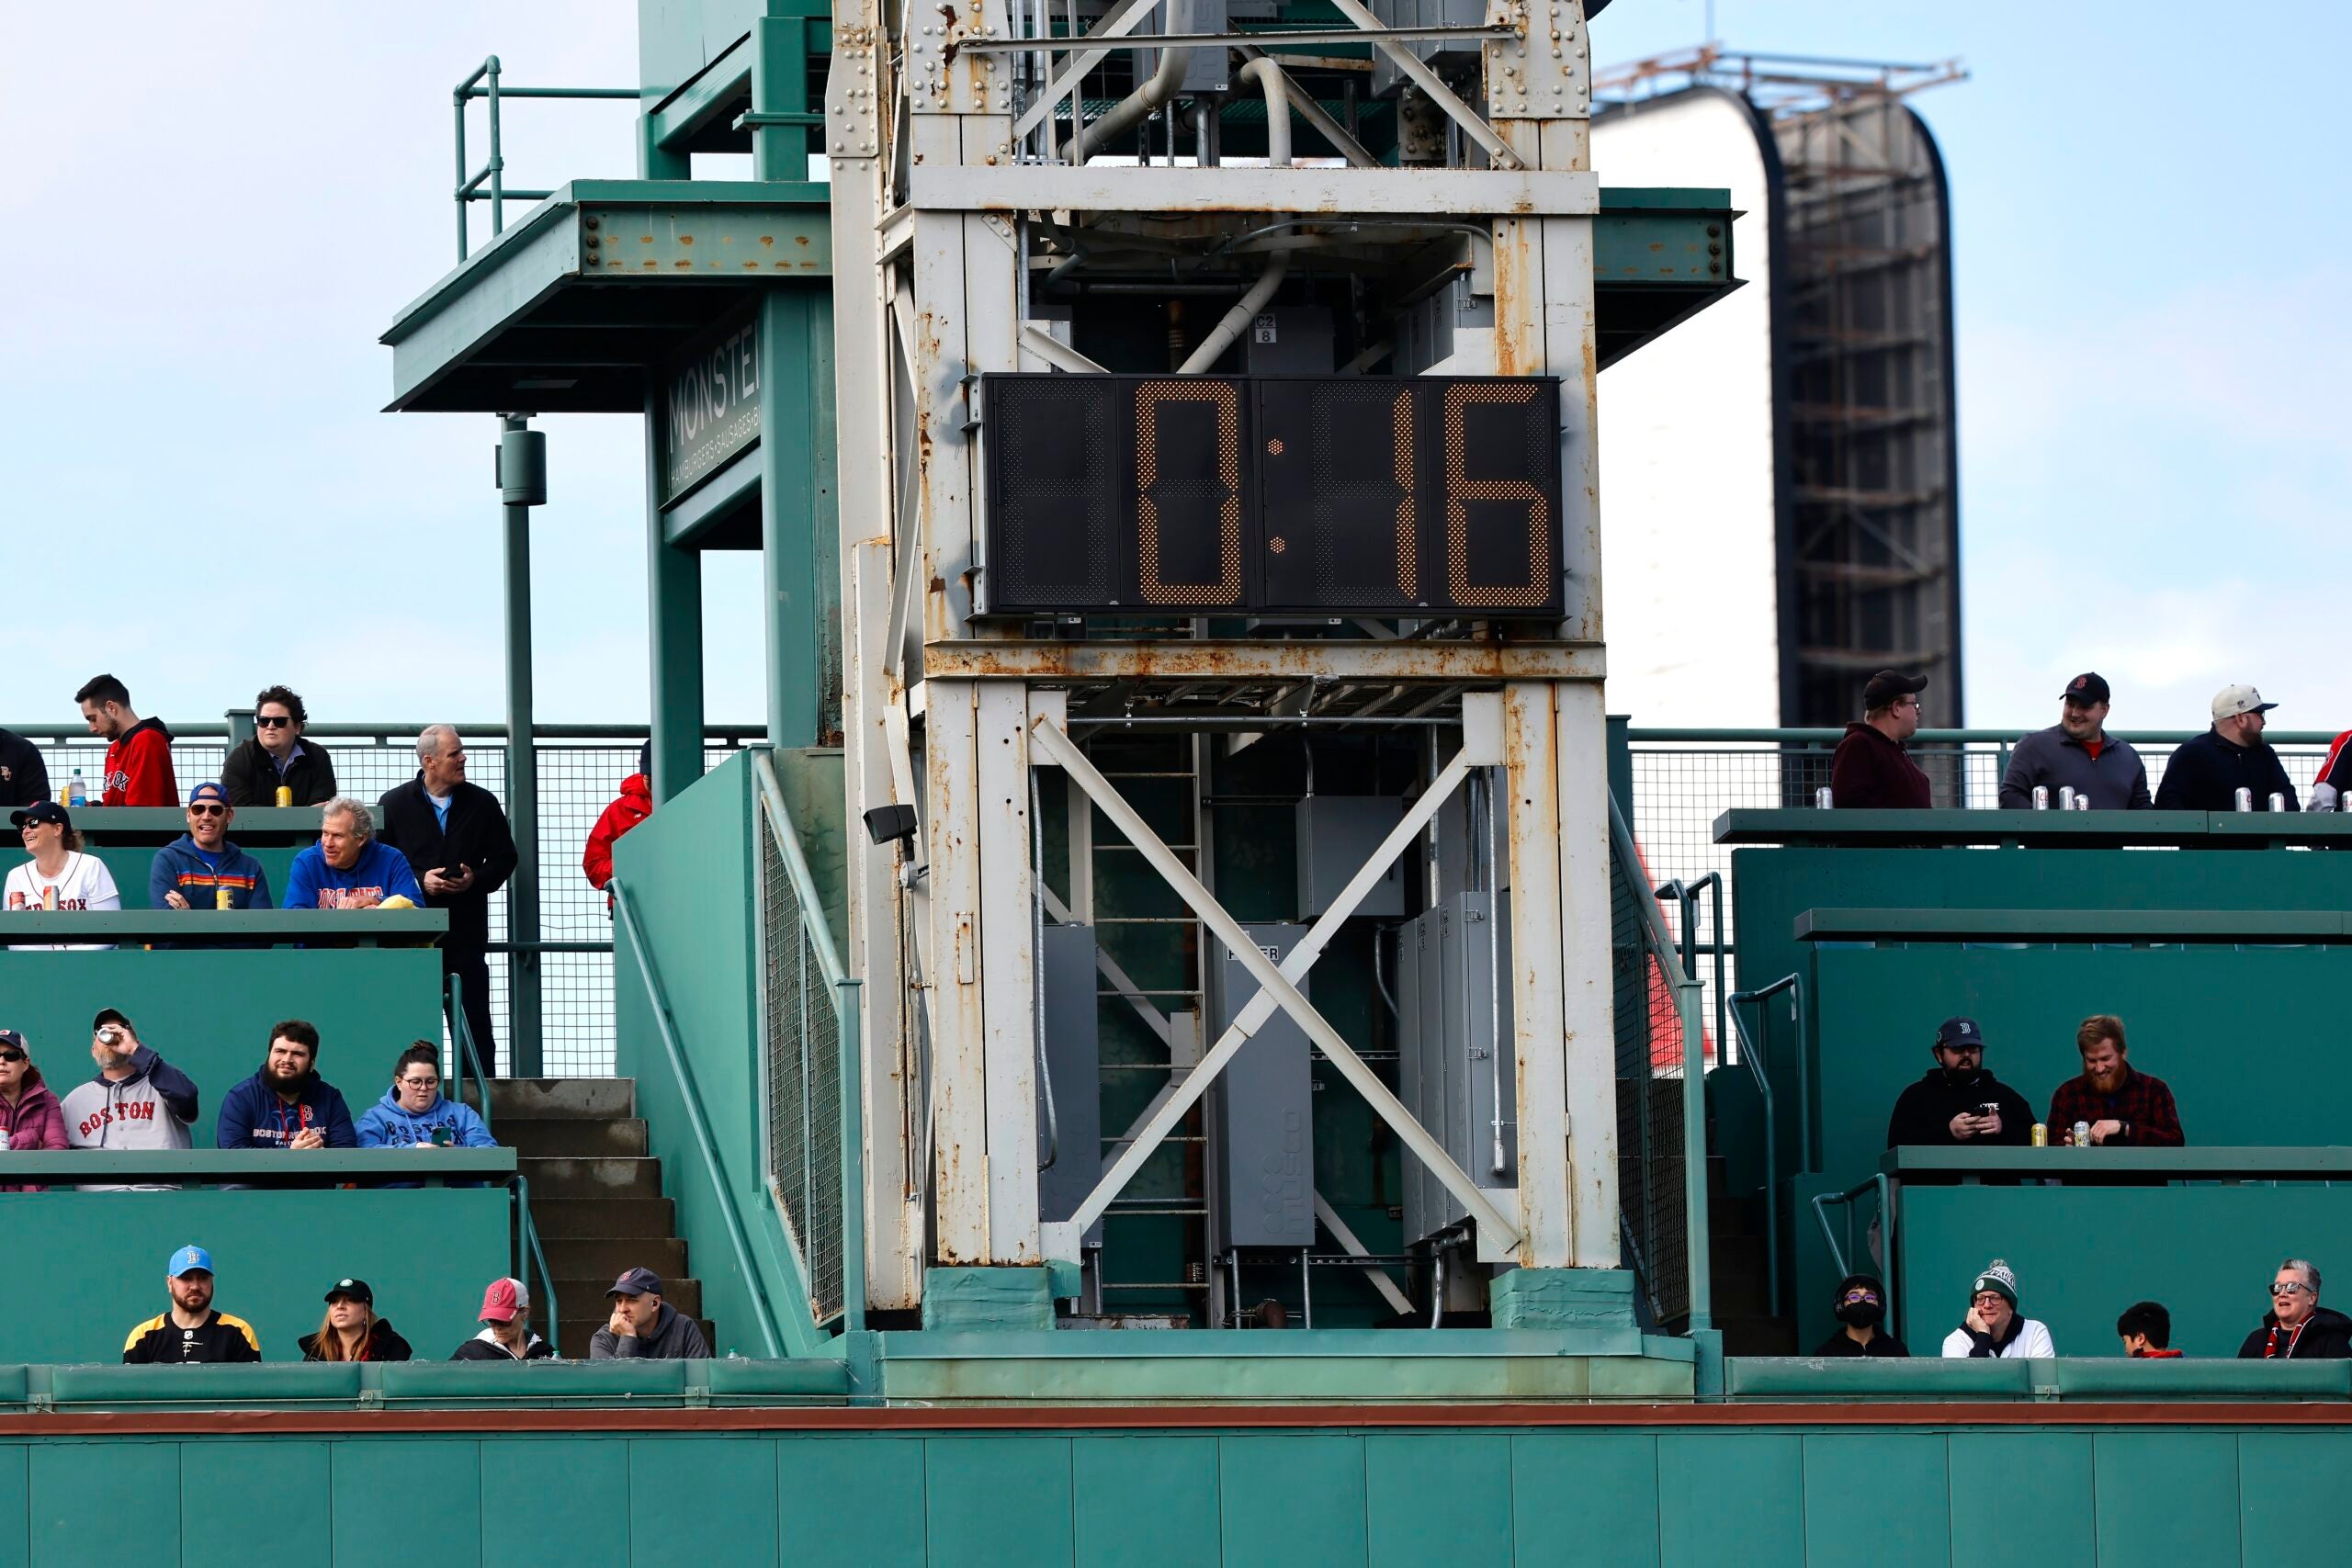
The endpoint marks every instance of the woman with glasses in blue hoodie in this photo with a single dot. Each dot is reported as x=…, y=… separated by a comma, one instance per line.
x=413, y=1115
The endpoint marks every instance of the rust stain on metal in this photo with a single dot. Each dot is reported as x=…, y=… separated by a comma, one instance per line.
x=685, y=238
x=800, y=239
x=767, y=239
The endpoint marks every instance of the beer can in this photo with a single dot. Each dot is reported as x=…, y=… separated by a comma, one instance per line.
x=2041, y=797
x=2066, y=798
x=2082, y=803
x=2244, y=800
x=1821, y=798
x=220, y=898
x=2082, y=1135
x=4, y=1138
x=2040, y=1134
x=2278, y=802
x=49, y=896
x=285, y=795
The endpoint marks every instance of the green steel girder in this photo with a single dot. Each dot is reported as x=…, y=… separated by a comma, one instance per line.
x=570, y=310
x=1660, y=255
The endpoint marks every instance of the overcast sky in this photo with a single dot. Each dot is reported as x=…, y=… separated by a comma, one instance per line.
x=205, y=241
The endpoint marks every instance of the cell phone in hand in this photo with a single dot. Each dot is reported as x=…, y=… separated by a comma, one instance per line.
x=454, y=872
x=1988, y=1109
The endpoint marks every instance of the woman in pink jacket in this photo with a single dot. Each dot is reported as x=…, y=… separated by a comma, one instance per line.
x=29, y=1111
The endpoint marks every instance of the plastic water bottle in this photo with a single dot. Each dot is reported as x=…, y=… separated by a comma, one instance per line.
x=75, y=794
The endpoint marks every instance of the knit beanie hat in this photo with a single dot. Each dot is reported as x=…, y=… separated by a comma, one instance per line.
x=1997, y=1277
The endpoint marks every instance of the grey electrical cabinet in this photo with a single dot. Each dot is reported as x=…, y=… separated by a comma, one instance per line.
x=1069, y=1117
x=1337, y=834
x=1261, y=1113
x=1454, y=1068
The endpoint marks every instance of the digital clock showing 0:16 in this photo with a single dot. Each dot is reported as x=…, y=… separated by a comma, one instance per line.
x=1325, y=495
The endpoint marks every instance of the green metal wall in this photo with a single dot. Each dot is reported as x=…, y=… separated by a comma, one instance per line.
x=2184, y=1497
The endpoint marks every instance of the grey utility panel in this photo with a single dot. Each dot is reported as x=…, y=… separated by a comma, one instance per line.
x=1071, y=1136
x=1261, y=1113
x=1454, y=1069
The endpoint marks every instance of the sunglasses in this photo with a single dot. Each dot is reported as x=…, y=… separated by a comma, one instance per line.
x=271, y=723
x=207, y=809
x=2290, y=1288
x=11, y=1055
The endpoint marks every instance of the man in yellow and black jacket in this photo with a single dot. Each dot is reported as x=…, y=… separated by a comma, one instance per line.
x=192, y=1331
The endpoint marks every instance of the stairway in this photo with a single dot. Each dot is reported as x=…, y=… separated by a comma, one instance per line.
x=595, y=1197
x=1738, y=1269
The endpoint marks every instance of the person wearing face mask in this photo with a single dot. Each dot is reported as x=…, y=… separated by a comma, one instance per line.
x=1958, y=1104
x=1861, y=1308
x=1993, y=1329
x=2122, y=1107
x=2297, y=1327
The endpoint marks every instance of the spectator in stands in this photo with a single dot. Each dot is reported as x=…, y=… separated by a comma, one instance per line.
x=1993, y=1330
x=1870, y=769
x=456, y=838
x=2078, y=754
x=506, y=1331
x=645, y=1326
x=277, y=757
x=1958, y=1101
x=634, y=804
x=24, y=777
x=139, y=751
x=2122, y=1106
x=351, y=1330
x=2206, y=773
x=137, y=1101
x=286, y=1105
x=347, y=869
x=2146, y=1331
x=2297, y=1327
x=1862, y=1307
x=59, y=876
x=29, y=1113
x=413, y=1115
x=196, y=869
x=2327, y=793
x=194, y=1330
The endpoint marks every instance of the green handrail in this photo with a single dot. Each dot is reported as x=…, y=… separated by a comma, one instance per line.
x=1840, y=1255
x=533, y=1253
x=1753, y=1056
x=665, y=1026
x=527, y=1249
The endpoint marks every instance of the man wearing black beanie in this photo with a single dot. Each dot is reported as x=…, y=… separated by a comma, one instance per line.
x=1861, y=1308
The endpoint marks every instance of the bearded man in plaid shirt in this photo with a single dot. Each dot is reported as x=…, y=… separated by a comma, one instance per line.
x=2121, y=1105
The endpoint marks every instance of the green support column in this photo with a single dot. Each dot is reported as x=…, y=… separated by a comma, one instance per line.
x=656, y=162
x=673, y=633
x=799, y=544
x=781, y=119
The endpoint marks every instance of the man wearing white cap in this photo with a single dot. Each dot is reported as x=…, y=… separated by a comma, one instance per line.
x=2206, y=773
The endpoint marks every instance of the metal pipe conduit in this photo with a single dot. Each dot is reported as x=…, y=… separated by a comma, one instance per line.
x=1269, y=77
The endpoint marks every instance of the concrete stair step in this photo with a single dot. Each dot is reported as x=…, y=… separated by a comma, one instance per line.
x=623, y=1137
x=572, y=1177
x=583, y=1297
x=605, y=1259
x=542, y=1100
x=594, y=1219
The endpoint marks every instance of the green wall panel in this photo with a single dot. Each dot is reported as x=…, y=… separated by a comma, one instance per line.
x=997, y=1500
x=2169, y=1498
x=106, y=1252
x=2283, y=1517
x=399, y=1498
x=116, y=1501
x=1437, y=1499
x=580, y=1517
x=1876, y=1497
x=852, y=1502
x=16, y=1506
x=1585, y=1497
x=1171, y=1481
x=256, y=1503
x=1292, y=1499
x=2021, y=1494
x=706, y=1502
x=1730, y=1498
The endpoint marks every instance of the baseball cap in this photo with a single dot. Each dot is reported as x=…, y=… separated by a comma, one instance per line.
x=1887, y=686
x=190, y=1260
x=108, y=1015
x=13, y=1040
x=41, y=811
x=1959, y=1033
x=2232, y=701
x=2087, y=689
x=504, y=1300
x=207, y=792
x=637, y=1282
x=355, y=1290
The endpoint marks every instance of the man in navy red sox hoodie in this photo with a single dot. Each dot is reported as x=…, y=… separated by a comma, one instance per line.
x=286, y=1105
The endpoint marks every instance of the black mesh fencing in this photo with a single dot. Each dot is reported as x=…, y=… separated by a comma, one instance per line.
x=1652, y=1061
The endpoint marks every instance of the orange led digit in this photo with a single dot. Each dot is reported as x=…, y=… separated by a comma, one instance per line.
x=1461, y=490
x=1150, y=398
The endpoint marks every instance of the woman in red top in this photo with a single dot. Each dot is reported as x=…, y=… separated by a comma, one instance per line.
x=634, y=805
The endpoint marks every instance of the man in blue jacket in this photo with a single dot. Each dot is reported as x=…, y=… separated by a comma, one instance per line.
x=413, y=1115
x=348, y=868
x=286, y=1105
x=194, y=870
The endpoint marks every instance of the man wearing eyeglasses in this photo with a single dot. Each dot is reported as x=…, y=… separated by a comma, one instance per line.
x=203, y=868
x=2297, y=1327
x=1993, y=1329
x=1870, y=770
x=1860, y=1307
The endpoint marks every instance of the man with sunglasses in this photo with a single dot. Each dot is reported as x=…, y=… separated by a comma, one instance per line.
x=1870, y=769
x=203, y=868
x=1859, y=1308
x=277, y=757
x=2297, y=1327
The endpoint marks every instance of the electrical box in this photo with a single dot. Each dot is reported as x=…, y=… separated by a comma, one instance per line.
x=1293, y=340
x=1454, y=1068
x=1336, y=833
x=1070, y=1136
x=1261, y=1113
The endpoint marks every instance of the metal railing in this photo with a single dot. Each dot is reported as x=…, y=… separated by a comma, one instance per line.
x=1753, y=1056
x=484, y=84
x=1845, y=1257
x=527, y=1251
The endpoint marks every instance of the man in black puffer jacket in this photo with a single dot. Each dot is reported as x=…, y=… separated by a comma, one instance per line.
x=2297, y=1327
x=457, y=841
x=1946, y=1107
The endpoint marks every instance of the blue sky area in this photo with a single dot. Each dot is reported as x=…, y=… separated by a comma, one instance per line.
x=202, y=497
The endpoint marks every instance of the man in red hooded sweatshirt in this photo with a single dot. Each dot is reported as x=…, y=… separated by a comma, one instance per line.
x=139, y=751
x=634, y=805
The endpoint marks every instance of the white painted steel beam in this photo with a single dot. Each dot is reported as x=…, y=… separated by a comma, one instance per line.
x=1303, y=659
x=959, y=1088
x=1585, y=980
x=1539, y=1037
x=1007, y=976
x=1397, y=1300
x=1308, y=192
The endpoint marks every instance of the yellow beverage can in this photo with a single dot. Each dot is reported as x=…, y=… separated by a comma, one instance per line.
x=2040, y=1136
x=285, y=795
x=220, y=898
